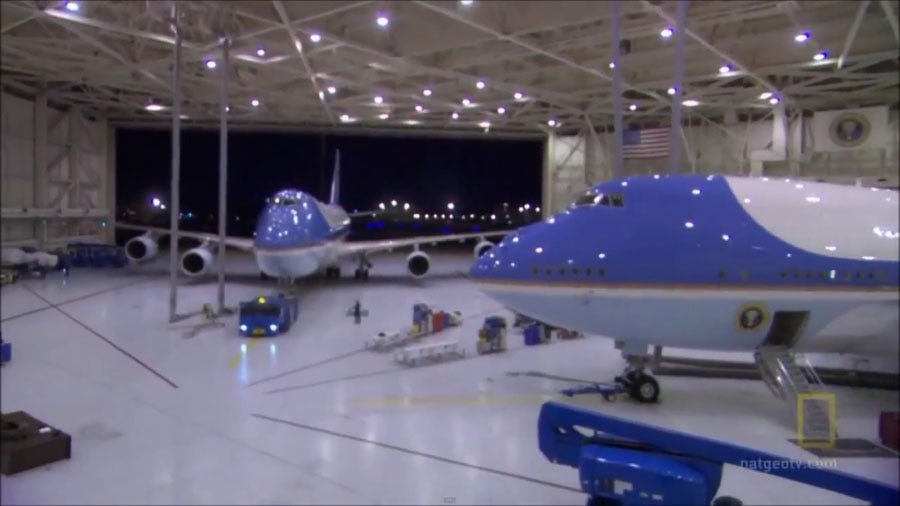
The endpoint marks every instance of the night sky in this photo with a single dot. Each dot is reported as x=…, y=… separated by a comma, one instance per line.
x=474, y=174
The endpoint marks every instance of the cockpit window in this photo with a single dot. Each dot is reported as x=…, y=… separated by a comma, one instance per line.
x=595, y=198
x=590, y=197
x=284, y=201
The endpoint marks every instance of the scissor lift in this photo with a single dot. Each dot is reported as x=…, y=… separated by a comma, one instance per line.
x=626, y=463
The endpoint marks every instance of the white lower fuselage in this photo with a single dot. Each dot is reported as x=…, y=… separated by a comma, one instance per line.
x=863, y=323
x=296, y=262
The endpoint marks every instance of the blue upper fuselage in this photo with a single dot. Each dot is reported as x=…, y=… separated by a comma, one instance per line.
x=669, y=230
x=294, y=219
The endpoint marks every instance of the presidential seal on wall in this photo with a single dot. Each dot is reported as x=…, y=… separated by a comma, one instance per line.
x=751, y=316
x=849, y=129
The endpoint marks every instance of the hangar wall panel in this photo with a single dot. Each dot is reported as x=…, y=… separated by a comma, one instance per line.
x=55, y=175
x=16, y=163
x=580, y=161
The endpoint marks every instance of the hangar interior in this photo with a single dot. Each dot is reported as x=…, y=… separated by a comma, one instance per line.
x=159, y=418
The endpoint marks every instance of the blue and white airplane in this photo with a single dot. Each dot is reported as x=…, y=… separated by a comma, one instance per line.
x=297, y=236
x=713, y=263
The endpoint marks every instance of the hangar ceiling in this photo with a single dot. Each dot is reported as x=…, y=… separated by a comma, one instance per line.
x=322, y=63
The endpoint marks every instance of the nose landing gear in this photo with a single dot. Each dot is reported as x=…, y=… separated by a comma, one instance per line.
x=362, y=272
x=639, y=385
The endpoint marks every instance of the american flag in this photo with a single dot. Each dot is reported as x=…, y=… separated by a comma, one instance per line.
x=647, y=143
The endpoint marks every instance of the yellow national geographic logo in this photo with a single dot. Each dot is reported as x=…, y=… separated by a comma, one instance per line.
x=751, y=316
x=849, y=129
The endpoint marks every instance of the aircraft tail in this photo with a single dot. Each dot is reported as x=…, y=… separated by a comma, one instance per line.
x=336, y=180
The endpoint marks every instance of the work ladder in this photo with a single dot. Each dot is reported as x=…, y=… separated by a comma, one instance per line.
x=792, y=378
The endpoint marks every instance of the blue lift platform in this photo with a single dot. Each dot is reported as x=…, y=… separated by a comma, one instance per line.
x=625, y=463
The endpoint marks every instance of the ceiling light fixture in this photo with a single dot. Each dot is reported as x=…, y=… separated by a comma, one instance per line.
x=612, y=64
x=485, y=124
x=774, y=100
x=666, y=32
x=821, y=55
x=455, y=115
x=72, y=6
x=419, y=108
x=466, y=102
x=426, y=92
x=671, y=91
x=345, y=118
x=382, y=21
x=260, y=51
x=383, y=116
x=724, y=69
x=551, y=122
x=154, y=107
x=480, y=85
x=690, y=103
x=378, y=99
x=315, y=38
x=254, y=102
x=765, y=95
x=802, y=37
x=501, y=110
x=332, y=90
x=518, y=95
x=210, y=64
x=466, y=2
x=632, y=107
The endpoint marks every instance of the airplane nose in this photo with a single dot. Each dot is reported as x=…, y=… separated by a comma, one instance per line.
x=507, y=260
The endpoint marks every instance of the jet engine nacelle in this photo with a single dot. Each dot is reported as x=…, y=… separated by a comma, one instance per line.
x=141, y=248
x=417, y=264
x=197, y=262
x=482, y=247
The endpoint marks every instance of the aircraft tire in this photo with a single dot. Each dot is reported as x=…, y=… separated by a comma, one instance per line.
x=644, y=389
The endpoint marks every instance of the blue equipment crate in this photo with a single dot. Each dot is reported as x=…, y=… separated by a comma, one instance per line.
x=5, y=352
x=533, y=334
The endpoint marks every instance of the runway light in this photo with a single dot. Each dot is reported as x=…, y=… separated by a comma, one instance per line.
x=72, y=6
x=518, y=95
x=666, y=32
x=501, y=110
x=426, y=92
x=724, y=69
x=480, y=85
x=690, y=103
x=210, y=64
x=821, y=55
x=765, y=95
x=455, y=115
x=383, y=115
x=254, y=102
x=260, y=52
x=379, y=99
x=332, y=90
x=802, y=37
x=382, y=21
x=632, y=107
x=315, y=38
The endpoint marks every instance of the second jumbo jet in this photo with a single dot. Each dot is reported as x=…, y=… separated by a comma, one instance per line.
x=297, y=236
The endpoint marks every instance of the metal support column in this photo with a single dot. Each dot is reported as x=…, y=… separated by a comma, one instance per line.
x=547, y=179
x=175, y=205
x=223, y=170
x=618, y=163
x=41, y=180
x=675, y=132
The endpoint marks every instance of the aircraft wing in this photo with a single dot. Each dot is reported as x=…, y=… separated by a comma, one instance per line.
x=365, y=247
x=242, y=243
